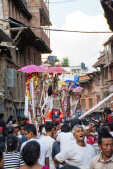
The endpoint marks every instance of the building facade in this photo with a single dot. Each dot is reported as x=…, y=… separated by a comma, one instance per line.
x=99, y=84
x=91, y=94
x=28, y=45
x=79, y=70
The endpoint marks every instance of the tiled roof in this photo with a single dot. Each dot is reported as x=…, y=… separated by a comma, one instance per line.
x=84, y=78
x=100, y=62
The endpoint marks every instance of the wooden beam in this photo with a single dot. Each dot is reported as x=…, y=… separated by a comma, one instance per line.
x=18, y=28
x=17, y=35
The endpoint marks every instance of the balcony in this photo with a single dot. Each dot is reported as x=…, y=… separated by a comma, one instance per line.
x=44, y=6
x=39, y=4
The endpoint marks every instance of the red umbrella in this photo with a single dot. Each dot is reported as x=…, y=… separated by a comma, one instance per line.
x=56, y=70
x=32, y=69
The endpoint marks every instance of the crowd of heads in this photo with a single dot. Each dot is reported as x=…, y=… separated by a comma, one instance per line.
x=10, y=142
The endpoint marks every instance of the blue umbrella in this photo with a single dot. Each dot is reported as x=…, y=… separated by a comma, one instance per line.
x=70, y=82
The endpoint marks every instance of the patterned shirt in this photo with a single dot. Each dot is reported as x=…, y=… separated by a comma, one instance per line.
x=12, y=160
x=99, y=163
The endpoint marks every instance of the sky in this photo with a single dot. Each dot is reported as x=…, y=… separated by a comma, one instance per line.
x=84, y=15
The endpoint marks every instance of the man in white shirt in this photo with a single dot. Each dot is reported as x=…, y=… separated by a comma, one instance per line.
x=31, y=134
x=65, y=136
x=48, y=140
x=79, y=153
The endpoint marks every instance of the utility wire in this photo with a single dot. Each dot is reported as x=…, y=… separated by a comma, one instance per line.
x=55, y=30
x=59, y=2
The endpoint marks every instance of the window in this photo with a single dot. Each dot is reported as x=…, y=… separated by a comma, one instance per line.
x=90, y=103
x=97, y=80
x=83, y=104
x=106, y=93
x=98, y=98
x=106, y=73
x=90, y=89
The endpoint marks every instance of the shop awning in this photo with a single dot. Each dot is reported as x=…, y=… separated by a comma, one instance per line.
x=26, y=36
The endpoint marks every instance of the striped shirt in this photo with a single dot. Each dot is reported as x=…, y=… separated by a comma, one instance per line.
x=12, y=160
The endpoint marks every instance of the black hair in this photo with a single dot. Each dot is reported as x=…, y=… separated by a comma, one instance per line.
x=56, y=124
x=1, y=115
x=2, y=123
x=65, y=128
x=10, y=117
x=2, y=146
x=107, y=110
x=50, y=90
x=41, y=128
x=48, y=126
x=74, y=122
x=10, y=130
x=69, y=167
x=103, y=133
x=30, y=128
x=102, y=130
x=2, y=139
x=31, y=152
x=1, y=154
x=22, y=126
x=12, y=143
x=23, y=118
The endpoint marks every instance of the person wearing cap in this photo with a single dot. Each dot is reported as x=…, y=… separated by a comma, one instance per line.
x=78, y=153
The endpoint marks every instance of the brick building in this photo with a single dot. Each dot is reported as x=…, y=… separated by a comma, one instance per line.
x=99, y=84
x=91, y=94
x=27, y=47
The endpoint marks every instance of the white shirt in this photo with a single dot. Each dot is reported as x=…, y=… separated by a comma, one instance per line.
x=111, y=132
x=76, y=155
x=47, y=140
x=44, y=150
x=64, y=139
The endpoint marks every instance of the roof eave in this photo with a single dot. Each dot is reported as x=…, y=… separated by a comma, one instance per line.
x=108, y=13
x=39, y=44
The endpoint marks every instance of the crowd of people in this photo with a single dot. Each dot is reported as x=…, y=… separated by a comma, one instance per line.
x=68, y=145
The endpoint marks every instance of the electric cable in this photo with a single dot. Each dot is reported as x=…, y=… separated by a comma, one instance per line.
x=60, y=2
x=55, y=30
